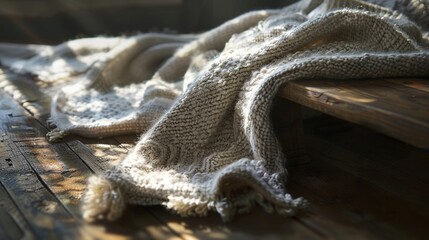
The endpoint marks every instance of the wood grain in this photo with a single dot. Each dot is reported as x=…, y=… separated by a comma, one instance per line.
x=45, y=214
x=396, y=109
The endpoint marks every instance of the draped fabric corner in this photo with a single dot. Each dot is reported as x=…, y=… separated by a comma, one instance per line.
x=202, y=102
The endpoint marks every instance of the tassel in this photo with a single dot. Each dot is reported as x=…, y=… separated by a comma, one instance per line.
x=102, y=200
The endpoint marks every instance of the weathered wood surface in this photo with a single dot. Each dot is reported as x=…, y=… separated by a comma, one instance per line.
x=45, y=181
x=42, y=182
x=396, y=107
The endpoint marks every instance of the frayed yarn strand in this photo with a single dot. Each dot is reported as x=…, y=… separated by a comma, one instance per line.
x=102, y=200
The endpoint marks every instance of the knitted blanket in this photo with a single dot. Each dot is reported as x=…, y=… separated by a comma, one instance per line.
x=202, y=102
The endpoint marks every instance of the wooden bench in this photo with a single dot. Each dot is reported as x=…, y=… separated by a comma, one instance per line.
x=41, y=182
x=398, y=108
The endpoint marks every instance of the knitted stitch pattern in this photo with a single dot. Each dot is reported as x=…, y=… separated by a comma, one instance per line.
x=203, y=101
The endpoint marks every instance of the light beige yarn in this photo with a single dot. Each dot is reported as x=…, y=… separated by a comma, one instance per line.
x=208, y=142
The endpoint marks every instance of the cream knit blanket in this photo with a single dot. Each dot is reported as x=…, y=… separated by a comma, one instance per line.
x=203, y=101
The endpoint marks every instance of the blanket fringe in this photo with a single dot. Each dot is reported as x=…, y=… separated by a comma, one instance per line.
x=227, y=208
x=56, y=135
x=102, y=200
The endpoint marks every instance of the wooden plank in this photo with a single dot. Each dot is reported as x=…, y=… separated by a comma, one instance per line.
x=12, y=223
x=99, y=155
x=394, y=109
x=9, y=229
x=418, y=84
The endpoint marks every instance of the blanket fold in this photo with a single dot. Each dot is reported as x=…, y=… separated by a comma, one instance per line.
x=203, y=102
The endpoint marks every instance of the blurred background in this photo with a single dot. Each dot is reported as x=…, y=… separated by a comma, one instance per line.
x=55, y=21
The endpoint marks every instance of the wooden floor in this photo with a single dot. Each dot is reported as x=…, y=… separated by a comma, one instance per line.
x=361, y=184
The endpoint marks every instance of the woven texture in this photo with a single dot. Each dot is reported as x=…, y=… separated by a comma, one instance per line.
x=203, y=102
